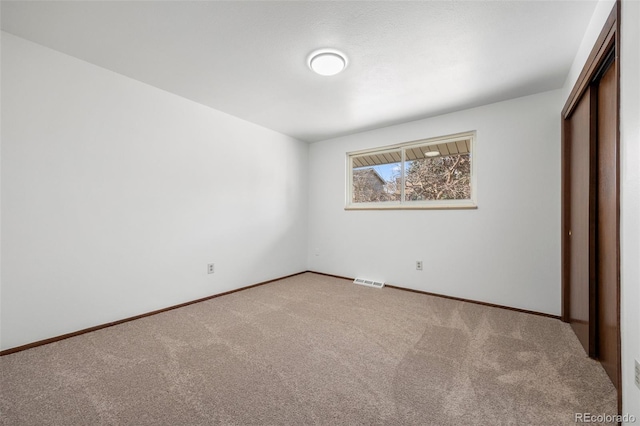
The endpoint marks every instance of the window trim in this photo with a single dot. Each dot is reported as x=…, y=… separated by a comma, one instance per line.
x=470, y=203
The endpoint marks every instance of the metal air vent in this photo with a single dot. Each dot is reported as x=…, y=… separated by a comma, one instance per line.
x=369, y=283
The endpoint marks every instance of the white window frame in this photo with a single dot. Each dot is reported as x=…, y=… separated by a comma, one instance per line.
x=470, y=203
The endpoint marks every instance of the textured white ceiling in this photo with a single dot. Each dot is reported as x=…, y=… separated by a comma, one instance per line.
x=407, y=60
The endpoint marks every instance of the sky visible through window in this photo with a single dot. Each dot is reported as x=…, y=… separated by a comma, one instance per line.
x=387, y=171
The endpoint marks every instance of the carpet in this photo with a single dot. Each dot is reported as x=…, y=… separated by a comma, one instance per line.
x=311, y=349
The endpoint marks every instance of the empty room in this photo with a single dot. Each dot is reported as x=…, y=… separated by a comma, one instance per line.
x=320, y=212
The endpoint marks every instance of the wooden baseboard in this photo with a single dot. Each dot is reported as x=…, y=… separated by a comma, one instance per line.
x=111, y=324
x=148, y=314
x=460, y=299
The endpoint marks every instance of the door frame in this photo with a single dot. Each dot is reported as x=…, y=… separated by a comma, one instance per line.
x=608, y=41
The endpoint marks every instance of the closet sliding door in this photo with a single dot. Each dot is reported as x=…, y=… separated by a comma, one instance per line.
x=591, y=204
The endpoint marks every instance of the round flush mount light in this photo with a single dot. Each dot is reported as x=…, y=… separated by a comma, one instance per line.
x=431, y=154
x=327, y=61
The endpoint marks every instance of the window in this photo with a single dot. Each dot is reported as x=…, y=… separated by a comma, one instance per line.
x=430, y=173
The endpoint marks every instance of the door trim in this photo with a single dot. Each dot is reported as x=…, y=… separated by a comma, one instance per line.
x=607, y=38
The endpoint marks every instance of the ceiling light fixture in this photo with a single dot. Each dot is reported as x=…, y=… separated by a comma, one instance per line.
x=327, y=61
x=431, y=154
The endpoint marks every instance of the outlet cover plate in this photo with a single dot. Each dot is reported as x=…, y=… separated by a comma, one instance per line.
x=210, y=268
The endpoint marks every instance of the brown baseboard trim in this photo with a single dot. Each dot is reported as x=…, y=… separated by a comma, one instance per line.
x=148, y=314
x=460, y=299
x=181, y=305
x=477, y=302
x=331, y=275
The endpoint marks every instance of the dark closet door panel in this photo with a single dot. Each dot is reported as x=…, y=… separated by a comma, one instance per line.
x=607, y=228
x=580, y=140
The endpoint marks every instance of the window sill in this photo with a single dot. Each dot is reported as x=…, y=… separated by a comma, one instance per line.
x=413, y=207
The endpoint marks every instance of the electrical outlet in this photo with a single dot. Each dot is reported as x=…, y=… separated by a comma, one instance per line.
x=418, y=265
x=210, y=269
x=638, y=374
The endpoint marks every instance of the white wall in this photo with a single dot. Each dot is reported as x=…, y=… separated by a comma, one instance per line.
x=630, y=202
x=115, y=196
x=598, y=19
x=506, y=252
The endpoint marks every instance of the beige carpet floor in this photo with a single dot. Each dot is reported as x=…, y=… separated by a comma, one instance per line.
x=311, y=349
